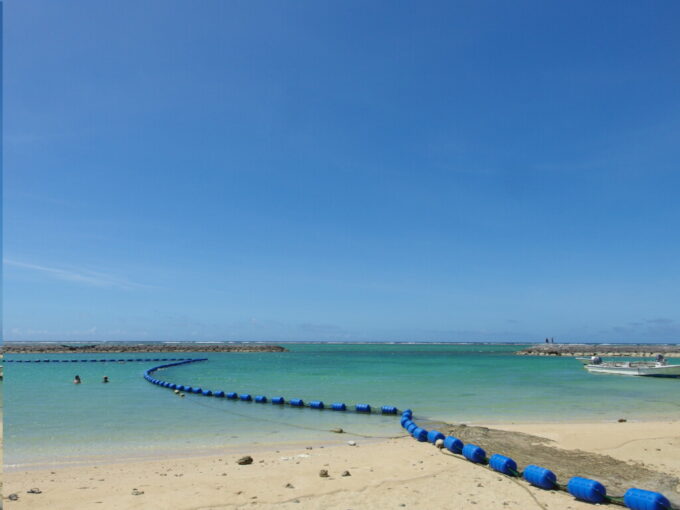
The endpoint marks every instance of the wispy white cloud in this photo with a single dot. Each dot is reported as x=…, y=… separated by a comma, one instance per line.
x=83, y=276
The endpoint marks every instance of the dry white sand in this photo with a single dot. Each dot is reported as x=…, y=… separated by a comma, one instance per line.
x=397, y=473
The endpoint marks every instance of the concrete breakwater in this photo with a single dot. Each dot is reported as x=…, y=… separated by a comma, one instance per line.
x=111, y=347
x=631, y=350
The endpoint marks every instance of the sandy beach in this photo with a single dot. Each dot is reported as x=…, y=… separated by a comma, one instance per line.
x=395, y=473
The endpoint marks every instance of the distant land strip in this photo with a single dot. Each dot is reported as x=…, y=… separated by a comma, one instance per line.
x=630, y=350
x=110, y=347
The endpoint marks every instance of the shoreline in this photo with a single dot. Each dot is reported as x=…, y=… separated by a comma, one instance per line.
x=168, y=453
x=383, y=473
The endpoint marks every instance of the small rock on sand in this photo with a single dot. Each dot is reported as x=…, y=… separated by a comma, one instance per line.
x=323, y=473
x=338, y=430
x=244, y=461
x=346, y=473
x=622, y=420
x=352, y=443
x=137, y=492
x=289, y=486
x=35, y=490
x=13, y=497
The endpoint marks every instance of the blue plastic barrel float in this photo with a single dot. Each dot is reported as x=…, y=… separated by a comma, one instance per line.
x=433, y=435
x=278, y=400
x=232, y=395
x=540, y=477
x=260, y=399
x=338, y=406
x=639, y=499
x=420, y=434
x=245, y=397
x=207, y=393
x=316, y=404
x=219, y=394
x=388, y=410
x=503, y=464
x=407, y=412
x=297, y=402
x=588, y=490
x=453, y=444
x=363, y=408
x=474, y=453
x=411, y=427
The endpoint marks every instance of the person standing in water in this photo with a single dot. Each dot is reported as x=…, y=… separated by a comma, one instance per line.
x=76, y=380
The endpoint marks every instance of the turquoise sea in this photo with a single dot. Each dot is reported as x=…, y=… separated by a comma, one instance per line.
x=49, y=420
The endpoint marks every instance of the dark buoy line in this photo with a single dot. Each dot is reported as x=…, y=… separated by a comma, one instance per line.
x=583, y=489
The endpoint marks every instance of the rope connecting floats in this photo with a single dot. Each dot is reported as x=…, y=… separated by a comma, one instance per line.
x=146, y=360
x=262, y=399
x=583, y=489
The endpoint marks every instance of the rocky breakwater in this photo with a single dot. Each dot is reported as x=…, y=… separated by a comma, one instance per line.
x=626, y=350
x=111, y=347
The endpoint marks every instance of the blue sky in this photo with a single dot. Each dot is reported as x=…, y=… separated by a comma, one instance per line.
x=446, y=171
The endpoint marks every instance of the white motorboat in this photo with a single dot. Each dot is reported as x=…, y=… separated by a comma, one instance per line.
x=643, y=368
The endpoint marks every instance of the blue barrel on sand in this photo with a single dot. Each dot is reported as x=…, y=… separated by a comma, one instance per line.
x=540, y=477
x=453, y=444
x=433, y=435
x=420, y=434
x=586, y=489
x=503, y=464
x=474, y=453
x=638, y=499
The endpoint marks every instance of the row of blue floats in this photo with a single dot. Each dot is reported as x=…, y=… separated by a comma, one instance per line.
x=584, y=489
x=260, y=399
x=581, y=488
x=91, y=360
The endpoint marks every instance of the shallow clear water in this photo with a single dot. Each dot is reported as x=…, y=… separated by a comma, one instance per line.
x=49, y=419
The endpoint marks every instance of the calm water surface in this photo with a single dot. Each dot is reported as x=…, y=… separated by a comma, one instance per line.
x=50, y=420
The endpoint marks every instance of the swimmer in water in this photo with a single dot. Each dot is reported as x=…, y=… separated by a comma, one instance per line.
x=106, y=379
x=76, y=380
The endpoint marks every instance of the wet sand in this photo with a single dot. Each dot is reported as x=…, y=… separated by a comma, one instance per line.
x=396, y=473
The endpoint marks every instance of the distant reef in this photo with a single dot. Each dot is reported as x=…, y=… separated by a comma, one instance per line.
x=631, y=350
x=111, y=347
